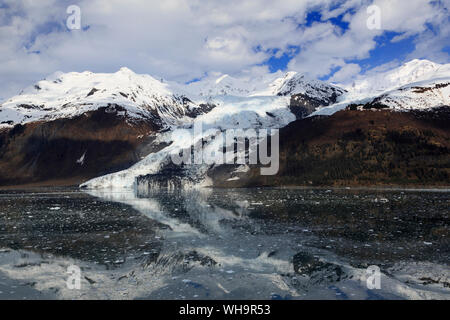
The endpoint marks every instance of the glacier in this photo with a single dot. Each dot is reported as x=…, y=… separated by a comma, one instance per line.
x=231, y=113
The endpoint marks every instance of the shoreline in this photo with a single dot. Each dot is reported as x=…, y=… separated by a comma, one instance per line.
x=75, y=187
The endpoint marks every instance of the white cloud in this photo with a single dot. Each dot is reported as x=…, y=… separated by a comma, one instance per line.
x=347, y=72
x=324, y=47
x=186, y=39
x=177, y=39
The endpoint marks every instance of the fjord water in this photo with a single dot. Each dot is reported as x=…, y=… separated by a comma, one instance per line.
x=225, y=244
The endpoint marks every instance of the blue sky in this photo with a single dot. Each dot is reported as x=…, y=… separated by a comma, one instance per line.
x=186, y=40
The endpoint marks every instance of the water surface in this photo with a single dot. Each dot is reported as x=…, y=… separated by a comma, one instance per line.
x=225, y=244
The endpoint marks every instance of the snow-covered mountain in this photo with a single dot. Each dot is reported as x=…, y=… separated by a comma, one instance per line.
x=291, y=83
x=222, y=85
x=294, y=83
x=416, y=85
x=270, y=107
x=419, y=95
x=65, y=95
x=219, y=102
x=408, y=73
x=152, y=109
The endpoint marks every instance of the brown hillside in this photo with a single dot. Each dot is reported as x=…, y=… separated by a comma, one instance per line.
x=361, y=148
x=46, y=153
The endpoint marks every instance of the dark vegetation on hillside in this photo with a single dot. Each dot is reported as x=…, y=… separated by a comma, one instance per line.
x=362, y=148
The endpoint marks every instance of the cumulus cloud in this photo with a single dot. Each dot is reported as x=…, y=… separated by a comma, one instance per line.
x=186, y=39
x=347, y=72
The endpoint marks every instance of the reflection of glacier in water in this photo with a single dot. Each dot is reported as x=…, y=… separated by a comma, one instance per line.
x=242, y=244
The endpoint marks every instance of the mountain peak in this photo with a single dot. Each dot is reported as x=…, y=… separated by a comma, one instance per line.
x=418, y=64
x=410, y=72
x=126, y=70
x=419, y=61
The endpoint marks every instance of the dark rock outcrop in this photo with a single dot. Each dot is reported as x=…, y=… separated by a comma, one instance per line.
x=302, y=105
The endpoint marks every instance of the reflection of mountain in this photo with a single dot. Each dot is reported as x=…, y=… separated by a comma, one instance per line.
x=184, y=212
x=236, y=216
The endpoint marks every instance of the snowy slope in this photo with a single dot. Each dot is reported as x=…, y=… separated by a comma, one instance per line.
x=71, y=94
x=294, y=83
x=290, y=83
x=420, y=95
x=418, y=84
x=410, y=72
x=221, y=86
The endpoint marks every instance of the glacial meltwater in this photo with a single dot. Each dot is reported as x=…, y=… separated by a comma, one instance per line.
x=225, y=244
